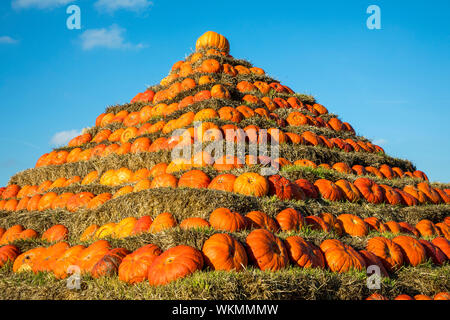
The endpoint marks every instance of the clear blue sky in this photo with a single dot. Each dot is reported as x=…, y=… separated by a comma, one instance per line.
x=392, y=84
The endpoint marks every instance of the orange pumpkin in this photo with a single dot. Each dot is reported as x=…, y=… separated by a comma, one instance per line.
x=432, y=195
x=25, y=261
x=56, y=233
x=353, y=225
x=79, y=201
x=8, y=253
x=61, y=266
x=162, y=222
x=413, y=252
x=223, y=252
x=290, y=219
x=89, y=233
x=266, y=250
x=426, y=228
x=369, y=190
x=328, y=190
x=392, y=197
x=134, y=267
x=11, y=234
x=46, y=201
x=226, y=220
x=223, y=182
x=341, y=257
x=125, y=228
x=387, y=251
x=194, y=179
x=349, y=191
x=260, y=220
x=303, y=253
x=442, y=244
x=90, y=178
x=89, y=256
x=174, y=263
x=251, y=183
x=194, y=222
x=372, y=259
x=165, y=180
x=61, y=201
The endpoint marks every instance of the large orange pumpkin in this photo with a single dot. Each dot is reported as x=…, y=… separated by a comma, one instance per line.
x=9, y=253
x=213, y=39
x=433, y=252
x=173, y=264
x=328, y=190
x=88, y=257
x=413, y=252
x=442, y=244
x=266, y=250
x=194, y=179
x=430, y=192
x=251, y=184
x=388, y=251
x=162, y=222
x=426, y=228
x=11, y=234
x=349, y=191
x=134, y=267
x=223, y=182
x=61, y=266
x=303, y=253
x=260, y=220
x=341, y=257
x=353, y=225
x=25, y=261
x=223, y=252
x=142, y=225
x=369, y=190
x=125, y=227
x=89, y=233
x=372, y=259
x=56, y=233
x=224, y=219
x=109, y=264
x=290, y=219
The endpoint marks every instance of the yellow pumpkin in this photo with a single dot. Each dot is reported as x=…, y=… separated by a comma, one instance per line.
x=213, y=39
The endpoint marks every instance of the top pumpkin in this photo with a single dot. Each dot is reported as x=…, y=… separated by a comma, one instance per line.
x=213, y=39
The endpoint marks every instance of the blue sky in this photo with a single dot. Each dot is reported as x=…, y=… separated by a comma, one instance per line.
x=391, y=84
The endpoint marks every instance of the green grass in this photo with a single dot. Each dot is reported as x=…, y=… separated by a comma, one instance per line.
x=290, y=283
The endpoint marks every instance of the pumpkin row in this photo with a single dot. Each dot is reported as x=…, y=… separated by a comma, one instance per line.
x=444, y=295
x=208, y=131
x=140, y=120
x=231, y=162
x=249, y=183
x=235, y=115
x=18, y=232
x=224, y=219
x=223, y=252
x=383, y=172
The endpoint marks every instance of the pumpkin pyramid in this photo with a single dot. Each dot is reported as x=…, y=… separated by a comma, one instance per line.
x=222, y=183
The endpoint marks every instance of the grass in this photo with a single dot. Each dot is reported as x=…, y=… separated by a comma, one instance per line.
x=250, y=284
